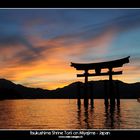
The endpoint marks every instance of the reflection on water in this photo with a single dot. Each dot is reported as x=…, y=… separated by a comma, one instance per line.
x=112, y=117
x=65, y=114
x=85, y=117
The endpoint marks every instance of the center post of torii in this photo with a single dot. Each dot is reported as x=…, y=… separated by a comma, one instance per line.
x=98, y=72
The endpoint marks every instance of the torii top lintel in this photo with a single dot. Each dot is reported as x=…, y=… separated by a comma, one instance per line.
x=101, y=65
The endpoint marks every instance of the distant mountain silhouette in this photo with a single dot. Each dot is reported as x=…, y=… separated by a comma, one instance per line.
x=9, y=90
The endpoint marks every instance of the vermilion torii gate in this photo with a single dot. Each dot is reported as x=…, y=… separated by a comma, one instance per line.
x=98, y=67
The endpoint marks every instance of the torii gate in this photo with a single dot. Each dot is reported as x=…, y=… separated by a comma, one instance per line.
x=98, y=67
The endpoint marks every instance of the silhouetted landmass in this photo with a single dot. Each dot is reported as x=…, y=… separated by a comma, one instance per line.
x=9, y=90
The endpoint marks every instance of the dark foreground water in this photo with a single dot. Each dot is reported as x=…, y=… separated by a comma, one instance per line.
x=64, y=114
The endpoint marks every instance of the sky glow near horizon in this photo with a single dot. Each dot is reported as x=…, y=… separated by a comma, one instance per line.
x=37, y=45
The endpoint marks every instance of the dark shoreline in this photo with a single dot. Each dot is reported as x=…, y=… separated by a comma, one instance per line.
x=10, y=90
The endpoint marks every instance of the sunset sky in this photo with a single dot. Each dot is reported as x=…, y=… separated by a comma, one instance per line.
x=37, y=45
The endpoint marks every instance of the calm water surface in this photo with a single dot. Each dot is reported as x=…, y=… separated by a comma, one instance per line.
x=64, y=114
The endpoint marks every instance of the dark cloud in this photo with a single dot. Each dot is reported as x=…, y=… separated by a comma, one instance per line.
x=122, y=23
x=125, y=22
x=17, y=41
x=7, y=40
x=24, y=57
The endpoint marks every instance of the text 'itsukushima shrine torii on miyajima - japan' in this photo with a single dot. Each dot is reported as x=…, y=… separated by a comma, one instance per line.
x=97, y=67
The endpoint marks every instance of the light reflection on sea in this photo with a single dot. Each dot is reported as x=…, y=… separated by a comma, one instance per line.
x=64, y=114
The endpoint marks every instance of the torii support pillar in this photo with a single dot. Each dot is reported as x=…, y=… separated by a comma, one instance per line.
x=78, y=94
x=91, y=95
x=105, y=94
x=117, y=93
x=86, y=89
x=111, y=87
